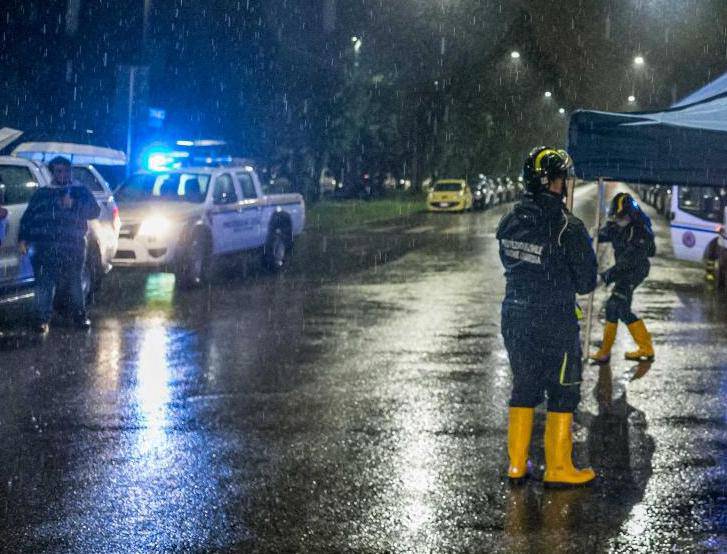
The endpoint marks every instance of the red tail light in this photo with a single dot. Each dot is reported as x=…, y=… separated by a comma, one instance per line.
x=117, y=219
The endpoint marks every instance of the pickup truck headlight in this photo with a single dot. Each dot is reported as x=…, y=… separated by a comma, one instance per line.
x=155, y=227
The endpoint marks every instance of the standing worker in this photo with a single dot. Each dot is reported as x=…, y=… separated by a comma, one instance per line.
x=55, y=224
x=548, y=258
x=629, y=231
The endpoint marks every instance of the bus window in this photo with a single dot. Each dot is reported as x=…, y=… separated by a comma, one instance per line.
x=706, y=203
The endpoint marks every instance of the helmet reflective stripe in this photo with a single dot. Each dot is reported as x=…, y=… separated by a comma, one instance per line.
x=620, y=205
x=541, y=155
x=566, y=158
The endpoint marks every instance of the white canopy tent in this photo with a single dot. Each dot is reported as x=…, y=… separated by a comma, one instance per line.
x=76, y=153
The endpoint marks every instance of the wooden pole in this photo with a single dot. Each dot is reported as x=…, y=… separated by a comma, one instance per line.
x=589, y=305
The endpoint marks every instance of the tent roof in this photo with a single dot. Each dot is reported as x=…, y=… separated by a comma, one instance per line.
x=8, y=135
x=718, y=86
x=685, y=145
x=76, y=153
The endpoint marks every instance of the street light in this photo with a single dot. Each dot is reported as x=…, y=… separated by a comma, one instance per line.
x=632, y=99
x=515, y=55
x=548, y=94
x=357, y=42
x=639, y=60
x=561, y=111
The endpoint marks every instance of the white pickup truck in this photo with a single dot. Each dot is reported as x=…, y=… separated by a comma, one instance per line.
x=182, y=220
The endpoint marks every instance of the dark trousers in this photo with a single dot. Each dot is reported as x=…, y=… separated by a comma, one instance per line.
x=618, y=305
x=545, y=356
x=58, y=268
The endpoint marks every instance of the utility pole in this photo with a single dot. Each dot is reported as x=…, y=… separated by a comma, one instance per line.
x=130, y=117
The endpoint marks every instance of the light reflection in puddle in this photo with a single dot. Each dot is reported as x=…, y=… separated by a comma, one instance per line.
x=152, y=386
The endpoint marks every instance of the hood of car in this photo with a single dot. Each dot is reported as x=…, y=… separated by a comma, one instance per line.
x=136, y=212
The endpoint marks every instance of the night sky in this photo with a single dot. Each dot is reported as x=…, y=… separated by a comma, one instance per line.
x=432, y=84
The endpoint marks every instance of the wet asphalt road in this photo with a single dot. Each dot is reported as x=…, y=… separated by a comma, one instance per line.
x=357, y=403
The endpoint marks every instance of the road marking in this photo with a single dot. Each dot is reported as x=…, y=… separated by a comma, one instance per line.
x=385, y=229
x=419, y=230
x=454, y=230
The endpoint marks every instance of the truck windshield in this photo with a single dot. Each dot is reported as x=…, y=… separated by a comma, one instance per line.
x=170, y=187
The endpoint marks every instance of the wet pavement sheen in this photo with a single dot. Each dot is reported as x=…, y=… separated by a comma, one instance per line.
x=356, y=403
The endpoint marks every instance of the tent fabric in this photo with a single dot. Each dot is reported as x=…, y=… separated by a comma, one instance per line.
x=718, y=86
x=76, y=153
x=679, y=146
x=8, y=135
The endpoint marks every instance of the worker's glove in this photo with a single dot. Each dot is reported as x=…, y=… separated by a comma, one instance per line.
x=579, y=312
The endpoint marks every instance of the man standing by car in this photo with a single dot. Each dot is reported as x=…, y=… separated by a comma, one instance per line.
x=55, y=224
x=548, y=258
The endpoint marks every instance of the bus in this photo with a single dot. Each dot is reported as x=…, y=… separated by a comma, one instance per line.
x=697, y=217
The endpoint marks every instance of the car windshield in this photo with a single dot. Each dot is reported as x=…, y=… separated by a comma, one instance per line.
x=448, y=187
x=174, y=187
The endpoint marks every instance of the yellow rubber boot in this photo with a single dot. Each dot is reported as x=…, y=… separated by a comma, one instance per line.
x=642, y=338
x=609, y=336
x=559, y=469
x=519, y=431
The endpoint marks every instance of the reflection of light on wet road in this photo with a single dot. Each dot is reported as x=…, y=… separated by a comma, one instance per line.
x=108, y=357
x=159, y=290
x=415, y=466
x=638, y=522
x=152, y=385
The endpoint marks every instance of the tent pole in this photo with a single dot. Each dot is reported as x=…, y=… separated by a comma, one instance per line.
x=589, y=306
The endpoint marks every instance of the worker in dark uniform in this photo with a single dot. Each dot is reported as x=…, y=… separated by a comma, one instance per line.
x=548, y=258
x=629, y=231
x=55, y=224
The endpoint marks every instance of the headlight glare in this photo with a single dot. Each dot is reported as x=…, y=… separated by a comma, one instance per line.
x=155, y=226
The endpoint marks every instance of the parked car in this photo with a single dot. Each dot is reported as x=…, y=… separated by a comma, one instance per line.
x=22, y=173
x=449, y=195
x=510, y=188
x=483, y=193
x=500, y=191
x=183, y=220
x=328, y=182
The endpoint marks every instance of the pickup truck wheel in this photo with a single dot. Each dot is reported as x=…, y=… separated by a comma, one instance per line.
x=277, y=250
x=195, y=268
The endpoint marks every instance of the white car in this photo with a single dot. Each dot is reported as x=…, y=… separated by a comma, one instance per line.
x=19, y=178
x=181, y=220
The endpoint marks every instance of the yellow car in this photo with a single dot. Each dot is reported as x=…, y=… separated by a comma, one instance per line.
x=450, y=195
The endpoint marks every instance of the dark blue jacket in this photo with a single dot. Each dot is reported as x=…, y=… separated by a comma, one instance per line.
x=632, y=247
x=45, y=220
x=547, y=255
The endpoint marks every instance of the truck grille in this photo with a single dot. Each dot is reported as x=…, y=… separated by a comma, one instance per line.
x=129, y=231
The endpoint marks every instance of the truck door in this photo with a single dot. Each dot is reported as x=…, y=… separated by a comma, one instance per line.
x=227, y=225
x=251, y=211
x=17, y=185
